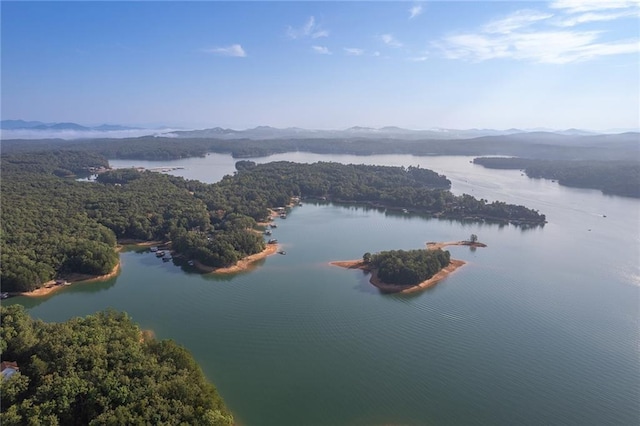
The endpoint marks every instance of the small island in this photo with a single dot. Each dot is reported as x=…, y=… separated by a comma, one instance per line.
x=408, y=271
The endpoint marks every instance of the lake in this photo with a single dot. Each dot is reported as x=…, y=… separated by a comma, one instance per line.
x=540, y=327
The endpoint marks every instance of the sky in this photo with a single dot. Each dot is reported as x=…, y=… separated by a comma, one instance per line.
x=324, y=65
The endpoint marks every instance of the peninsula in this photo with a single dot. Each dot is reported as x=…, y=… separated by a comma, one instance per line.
x=400, y=271
x=78, y=225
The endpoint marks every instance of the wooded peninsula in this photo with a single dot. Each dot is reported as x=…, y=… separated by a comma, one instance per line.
x=100, y=370
x=53, y=225
x=620, y=177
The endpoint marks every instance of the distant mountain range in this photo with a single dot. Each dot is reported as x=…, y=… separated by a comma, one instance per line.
x=391, y=132
x=38, y=125
x=21, y=129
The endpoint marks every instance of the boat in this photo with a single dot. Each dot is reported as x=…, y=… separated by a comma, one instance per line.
x=153, y=249
x=405, y=211
x=273, y=225
x=159, y=254
x=272, y=241
x=282, y=252
x=4, y=295
x=283, y=216
x=166, y=258
x=190, y=263
x=267, y=232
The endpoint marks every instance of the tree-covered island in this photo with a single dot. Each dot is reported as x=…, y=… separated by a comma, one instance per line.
x=53, y=226
x=406, y=271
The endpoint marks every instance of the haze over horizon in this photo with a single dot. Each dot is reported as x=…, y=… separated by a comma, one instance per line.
x=499, y=65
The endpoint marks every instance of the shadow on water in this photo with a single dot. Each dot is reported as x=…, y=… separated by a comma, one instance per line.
x=364, y=286
x=85, y=287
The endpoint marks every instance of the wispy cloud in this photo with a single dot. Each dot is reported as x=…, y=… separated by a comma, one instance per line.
x=233, y=50
x=309, y=29
x=353, y=51
x=415, y=10
x=418, y=58
x=390, y=40
x=584, y=18
x=580, y=6
x=553, y=47
x=534, y=36
x=323, y=50
x=515, y=21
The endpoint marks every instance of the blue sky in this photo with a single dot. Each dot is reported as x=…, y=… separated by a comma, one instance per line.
x=558, y=64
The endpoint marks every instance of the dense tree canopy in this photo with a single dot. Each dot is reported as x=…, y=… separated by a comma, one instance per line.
x=611, y=177
x=99, y=370
x=53, y=225
x=408, y=267
x=532, y=145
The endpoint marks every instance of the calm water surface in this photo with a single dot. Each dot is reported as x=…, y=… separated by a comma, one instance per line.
x=540, y=327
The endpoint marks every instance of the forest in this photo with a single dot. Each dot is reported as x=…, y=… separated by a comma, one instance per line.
x=411, y=188
x=100, y=370
x=611, y=177
x=52, y=225
x=407, y=267
x=539, y=145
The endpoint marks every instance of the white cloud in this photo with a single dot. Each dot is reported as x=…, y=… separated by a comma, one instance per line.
x=580, y=6
x=390, y=40
x=321, y=33
x=415, y=10
x=552, y=47
x=376, y=53
x=515, y=21
x=418, y=58
x=534, y=36
x=584, y=18
x=353, y=51
x=233, y=50
x=323, y=50
x=309, y=29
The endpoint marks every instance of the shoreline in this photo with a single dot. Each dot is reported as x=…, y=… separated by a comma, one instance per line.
x=443, y=273
x=432, y=245
x=388, y=288
x=50, y=286
x=244, y=264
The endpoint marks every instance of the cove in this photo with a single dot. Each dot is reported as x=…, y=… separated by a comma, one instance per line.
x=540, y=327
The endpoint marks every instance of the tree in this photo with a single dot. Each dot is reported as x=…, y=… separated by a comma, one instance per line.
x=366, y=258
x=101, y=370
x=473, y=238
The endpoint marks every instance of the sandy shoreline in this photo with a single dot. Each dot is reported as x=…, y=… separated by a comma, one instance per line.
x=392, y=288
x=435, y=279
x=244, y=264
x=51, y=287
x=432, y=245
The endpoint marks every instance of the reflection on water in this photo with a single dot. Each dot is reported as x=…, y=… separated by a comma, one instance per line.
x=541, y=327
